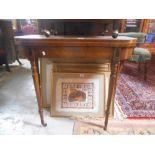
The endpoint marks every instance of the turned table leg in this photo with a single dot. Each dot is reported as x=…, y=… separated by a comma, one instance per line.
x=36, y=80
x=115, y=64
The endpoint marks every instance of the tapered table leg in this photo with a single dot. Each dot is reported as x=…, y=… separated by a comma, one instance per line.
x=36, y=80
x=112, y=85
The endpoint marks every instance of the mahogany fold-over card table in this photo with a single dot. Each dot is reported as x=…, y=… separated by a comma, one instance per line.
x=85, y=49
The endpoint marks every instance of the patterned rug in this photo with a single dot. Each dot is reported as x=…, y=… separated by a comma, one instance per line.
x=135, y=97
x=115, y=127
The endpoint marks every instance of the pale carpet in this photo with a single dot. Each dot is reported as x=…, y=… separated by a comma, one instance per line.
x=18, y=106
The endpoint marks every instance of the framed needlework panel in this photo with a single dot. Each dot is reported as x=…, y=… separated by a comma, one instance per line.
x=78, y=94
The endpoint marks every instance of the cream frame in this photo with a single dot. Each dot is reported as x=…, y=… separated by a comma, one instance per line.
x=99, y=108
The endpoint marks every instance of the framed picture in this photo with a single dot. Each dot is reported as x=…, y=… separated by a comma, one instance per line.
x=46, y=80
x=78, y=94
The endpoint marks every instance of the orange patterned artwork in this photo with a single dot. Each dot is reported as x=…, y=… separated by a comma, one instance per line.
x=79, y=95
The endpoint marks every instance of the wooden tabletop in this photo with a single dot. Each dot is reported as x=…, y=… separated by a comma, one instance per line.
x=41, y=40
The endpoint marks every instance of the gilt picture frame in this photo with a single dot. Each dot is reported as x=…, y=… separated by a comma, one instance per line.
x=76, y=94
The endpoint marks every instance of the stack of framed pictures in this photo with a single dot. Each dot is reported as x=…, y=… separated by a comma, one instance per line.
x=71, y=89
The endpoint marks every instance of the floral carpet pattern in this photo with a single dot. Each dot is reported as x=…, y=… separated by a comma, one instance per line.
x=134, y=96
x=115, y=127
